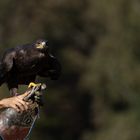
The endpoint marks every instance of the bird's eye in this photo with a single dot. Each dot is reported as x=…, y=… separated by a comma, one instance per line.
x=38, y=43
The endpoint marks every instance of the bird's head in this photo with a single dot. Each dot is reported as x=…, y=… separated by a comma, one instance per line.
x=41, y=44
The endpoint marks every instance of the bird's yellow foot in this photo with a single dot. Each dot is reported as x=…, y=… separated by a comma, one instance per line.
x=33, y=85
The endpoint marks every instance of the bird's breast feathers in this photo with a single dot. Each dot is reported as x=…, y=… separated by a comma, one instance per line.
x=28, y=59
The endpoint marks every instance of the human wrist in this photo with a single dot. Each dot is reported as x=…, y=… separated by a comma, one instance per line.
x=3, y=104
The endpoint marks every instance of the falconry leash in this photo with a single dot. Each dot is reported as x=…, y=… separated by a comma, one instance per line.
x=36, y=90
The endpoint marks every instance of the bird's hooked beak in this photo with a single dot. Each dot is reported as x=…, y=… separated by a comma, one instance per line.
x=41, y=45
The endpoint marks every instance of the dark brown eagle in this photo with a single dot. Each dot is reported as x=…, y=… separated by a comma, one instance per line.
x=21, y=65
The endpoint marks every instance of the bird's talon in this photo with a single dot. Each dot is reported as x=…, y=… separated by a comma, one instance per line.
x=33, y=85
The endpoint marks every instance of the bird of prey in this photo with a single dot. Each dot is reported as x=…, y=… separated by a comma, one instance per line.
x=21, y=65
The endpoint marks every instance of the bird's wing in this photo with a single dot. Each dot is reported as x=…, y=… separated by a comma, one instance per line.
x=6, y=63
x=53, y=70
x=2, y=77
x=8, y=59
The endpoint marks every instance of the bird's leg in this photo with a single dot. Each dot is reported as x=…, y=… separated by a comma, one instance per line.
x=33, y=85
x=36, y=94
x=13, y=92
x=12, y=84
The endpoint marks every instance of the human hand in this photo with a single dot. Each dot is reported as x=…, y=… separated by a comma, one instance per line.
x=16, y=102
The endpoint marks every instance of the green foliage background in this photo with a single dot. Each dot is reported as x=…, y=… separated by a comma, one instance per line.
x=97, y=42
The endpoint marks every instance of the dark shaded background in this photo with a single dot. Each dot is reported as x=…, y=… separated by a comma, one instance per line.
x=97, y=43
